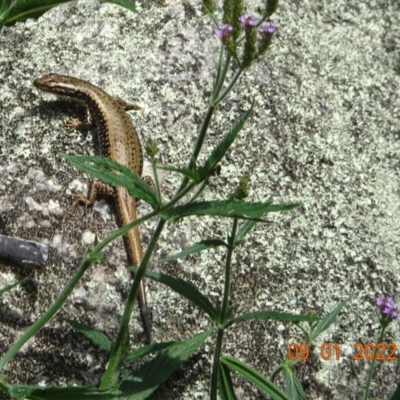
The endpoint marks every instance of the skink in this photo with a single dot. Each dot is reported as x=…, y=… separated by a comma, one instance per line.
x=118, y=141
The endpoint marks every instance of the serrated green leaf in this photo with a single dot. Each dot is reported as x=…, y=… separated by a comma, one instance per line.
x=245, y=229
x=219, y=151
x=226, y=389
x=26, y=9
x=23, y=10
x=22, y=392
x=271, y=315
x=196, y=248
x=150, y=375
x=148, y=349
x=253, y=376
x=94, y=335
x=226, y=208
x=293, y=385
x=103, y=169
x=327, y=321
x=185, y=289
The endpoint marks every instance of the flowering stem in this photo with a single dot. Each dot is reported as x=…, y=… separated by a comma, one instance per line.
x=231, y=83
x=203, y=130
x=225, y=301
x=228, y=271
x=221, y=78
x=212, y=16
x=217, y=77
x=215, y=367
x=199, y=143
x=371, y=371
x=156, y=179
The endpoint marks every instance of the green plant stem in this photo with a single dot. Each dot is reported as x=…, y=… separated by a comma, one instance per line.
x=228, y=272
x=225, y=302
x=276, y=372
x=229, y=87
x=47, y=315
x=221, y=79
x=221, y=74
x=112, y=372
x=215, y=367
x=217, y=77
x=198, y=191
x=157, y=181
x=214, y=19
x=181, y=194
x=199, y=143
x=371, y=371
x=120, y=232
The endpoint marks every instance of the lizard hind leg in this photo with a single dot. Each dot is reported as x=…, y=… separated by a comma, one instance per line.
x=96, y=189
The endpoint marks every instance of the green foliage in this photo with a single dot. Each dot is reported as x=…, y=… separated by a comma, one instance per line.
x=196, y=248
x=253, y=376
x=21, y=392
x=22, y=10
x=325, y=323
x=292, y=383
x=103, y=169
x=396, y=393
x=185, y=289
x=225, y=383
x=94, y=335
x=226, y=208
x=149, y=376
x=220, y=150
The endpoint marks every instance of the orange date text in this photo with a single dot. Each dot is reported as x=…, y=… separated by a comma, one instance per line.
x=327, y=351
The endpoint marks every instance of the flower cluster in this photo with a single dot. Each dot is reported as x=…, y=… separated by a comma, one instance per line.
x=226, y=32
x=388, y=307
x=268, y=28
x=248, y=21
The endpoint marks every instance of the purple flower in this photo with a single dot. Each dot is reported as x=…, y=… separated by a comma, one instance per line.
x=388, y=307
x=224, y=31
x=248, y=22
x=268, y=28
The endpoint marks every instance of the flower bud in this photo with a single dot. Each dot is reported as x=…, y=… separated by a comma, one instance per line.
x=242, y=191
x=267, y=31
x=249, y=26
x=225, y=33
x=151, y=148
